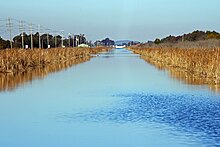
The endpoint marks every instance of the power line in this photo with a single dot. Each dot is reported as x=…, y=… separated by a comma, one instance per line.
x=3, y=31
x=14, y=25
x=3, y=19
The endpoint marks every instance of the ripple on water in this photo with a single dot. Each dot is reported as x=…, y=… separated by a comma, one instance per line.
x=196, y=115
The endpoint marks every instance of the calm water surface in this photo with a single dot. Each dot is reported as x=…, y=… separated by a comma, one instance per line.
x=114, y=100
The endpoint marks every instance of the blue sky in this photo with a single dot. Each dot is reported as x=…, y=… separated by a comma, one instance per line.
x=118, y=19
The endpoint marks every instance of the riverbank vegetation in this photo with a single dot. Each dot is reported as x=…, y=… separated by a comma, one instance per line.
x=198, y=61
x=190, y=37
x=19, y=66
x=21, y=60
x=11, y=81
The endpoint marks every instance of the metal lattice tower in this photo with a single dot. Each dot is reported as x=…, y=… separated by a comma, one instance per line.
x=31, y=33
x=21, y=30
x=10, y=28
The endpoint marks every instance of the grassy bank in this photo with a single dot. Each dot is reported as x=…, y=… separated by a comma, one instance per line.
x=196, y=62
x=9, y=82
x=21, y=66
x=21, y=60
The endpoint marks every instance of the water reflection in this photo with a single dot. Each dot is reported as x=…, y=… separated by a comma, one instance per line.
x=184, y=76
x=192, y=79
x=9, y=82
x=81, y=107
x=197, y=116
x=118, y=53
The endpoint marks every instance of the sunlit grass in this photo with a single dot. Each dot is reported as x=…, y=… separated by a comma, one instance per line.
x=200, y=62
x=20, y=66
x=20, y=60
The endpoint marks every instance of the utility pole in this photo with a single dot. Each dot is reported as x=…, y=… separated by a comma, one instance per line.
x=77, y=41
x=183, y=38
x=73, y=40
x=62, y=39
x=9, y=25
x=21, y=29
x=48, y=40
x=69, y=39
x=31, y=32
x=55, y=43
x=39, y=27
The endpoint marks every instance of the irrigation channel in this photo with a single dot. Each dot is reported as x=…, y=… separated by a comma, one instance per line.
x=114, y=100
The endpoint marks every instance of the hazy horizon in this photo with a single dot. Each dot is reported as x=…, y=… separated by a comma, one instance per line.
x=139, y=20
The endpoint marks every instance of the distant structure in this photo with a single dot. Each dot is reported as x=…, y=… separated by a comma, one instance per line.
x=120, y=46
x=132, y=43
x=83, y=45
x=98, y=43
x=126, y=42
x=76, y=40
x=105, y=42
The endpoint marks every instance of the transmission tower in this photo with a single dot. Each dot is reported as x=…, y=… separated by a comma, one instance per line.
x=31, y=33
x=21, y=29
x=77, y=41
x=69, y=39
x=55, y=43
x=10, y=28
x=62, y=38
x=73, y=40
x=39, y=28
x=48, y=39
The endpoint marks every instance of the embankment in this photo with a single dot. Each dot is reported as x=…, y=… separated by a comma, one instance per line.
x=18, y=66
x=199, y=63
x=21, y=60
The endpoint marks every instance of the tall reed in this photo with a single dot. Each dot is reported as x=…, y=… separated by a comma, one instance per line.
x=203, y=63
x=20, y=66
x=20, y=60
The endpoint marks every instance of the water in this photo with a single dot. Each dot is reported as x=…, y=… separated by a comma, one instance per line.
x=116, y=99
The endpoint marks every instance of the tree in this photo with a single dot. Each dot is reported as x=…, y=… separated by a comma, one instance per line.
x=4, y=44
x=212, y=35
x=157, y=41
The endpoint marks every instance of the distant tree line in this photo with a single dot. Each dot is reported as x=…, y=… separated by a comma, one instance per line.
x=54, y=41
x=194, y=36
x=4, y=44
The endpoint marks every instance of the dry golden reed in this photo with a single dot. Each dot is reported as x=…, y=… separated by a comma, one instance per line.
x=202, y=63
x=10, y=81
x=20, y=60
x=21, y=66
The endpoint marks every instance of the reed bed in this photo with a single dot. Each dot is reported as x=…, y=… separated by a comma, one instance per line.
x=21, y=60
x=9, y=82
x=27, y=65
x=197, y=62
